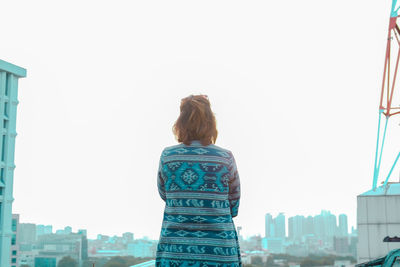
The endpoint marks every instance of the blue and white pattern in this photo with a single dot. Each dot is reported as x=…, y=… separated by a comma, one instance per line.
x=201, y=189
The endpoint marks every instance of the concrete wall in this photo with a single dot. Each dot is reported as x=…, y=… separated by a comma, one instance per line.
x=378, y=216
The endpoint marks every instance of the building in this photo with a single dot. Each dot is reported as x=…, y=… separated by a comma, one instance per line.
x=9, y=75
x=60, y=232
x=254, y=243
x=275, y=227
x=142, y=248
x=27, y=233
x=341, y=245
x=353, y=246
x=378, y=216
x=325, y=226
x=273, y=245
x=14, y=240
x=48, y=229
x=45, y=261
x=269, y=222
x=82, y=232
x=343, y=228
x=103, y=238
x=330, y=226
x=280, y=225
x=58, y=246
x=296, y=228
x=43, y=230
x=297, y=250
x=309, y=226
x=68, y=230
x=128, y=237
x=27, y=258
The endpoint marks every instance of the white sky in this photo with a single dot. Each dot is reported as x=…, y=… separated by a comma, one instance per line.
x=294, y=85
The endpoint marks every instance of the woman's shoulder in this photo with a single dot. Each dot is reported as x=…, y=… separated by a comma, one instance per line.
x=169, y=150
x=196, y=148
x=221, y=150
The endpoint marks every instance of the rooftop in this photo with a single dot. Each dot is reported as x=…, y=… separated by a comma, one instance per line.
x=8, y=67
x=389, y=189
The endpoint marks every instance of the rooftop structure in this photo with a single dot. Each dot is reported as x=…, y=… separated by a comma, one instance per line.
x=378, y=216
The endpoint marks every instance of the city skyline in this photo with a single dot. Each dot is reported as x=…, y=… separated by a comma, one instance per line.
x=41, y=244
x=283, y=232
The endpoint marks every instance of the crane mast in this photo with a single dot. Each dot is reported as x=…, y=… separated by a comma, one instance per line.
x=386, y=105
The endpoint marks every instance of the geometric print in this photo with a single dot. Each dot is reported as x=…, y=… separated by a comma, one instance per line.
x=201, y=189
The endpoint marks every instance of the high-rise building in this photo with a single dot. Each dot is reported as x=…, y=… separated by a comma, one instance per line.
x=291, y=228
x=330, y=226
x=325, y=226
x=343, y=228
x=309, y=226
x=319, y=227
x=268, y=225
x=275, y=227
x=296, y=227
x=280, y=226
x=9, y=75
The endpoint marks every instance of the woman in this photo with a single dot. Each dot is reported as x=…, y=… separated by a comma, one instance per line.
x=200, y=185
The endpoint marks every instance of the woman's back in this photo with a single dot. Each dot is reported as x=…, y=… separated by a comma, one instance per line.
x=201, y=189
x=200, y=185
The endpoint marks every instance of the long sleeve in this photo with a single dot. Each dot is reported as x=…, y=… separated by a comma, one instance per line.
x=234, y=188
x=161, y=181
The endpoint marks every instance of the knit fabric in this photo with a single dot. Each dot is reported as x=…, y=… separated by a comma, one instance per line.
x=201, y=189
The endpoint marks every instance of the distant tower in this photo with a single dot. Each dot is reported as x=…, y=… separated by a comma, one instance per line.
x=331, y=226
x=343, y=228
x=280, y=226
x=296, y=227
x=309, y=226
x=9, y=75
x=325, y=226
x=268, y=225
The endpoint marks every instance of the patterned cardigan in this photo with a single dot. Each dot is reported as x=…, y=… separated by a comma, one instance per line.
x=201, y=189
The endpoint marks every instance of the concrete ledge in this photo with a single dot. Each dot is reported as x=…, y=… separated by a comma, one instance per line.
x=11, y=68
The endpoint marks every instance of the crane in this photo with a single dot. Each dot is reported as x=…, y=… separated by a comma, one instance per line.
x=386, y=105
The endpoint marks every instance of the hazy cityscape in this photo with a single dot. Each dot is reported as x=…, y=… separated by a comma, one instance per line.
x=298, y=236
x=294, y=87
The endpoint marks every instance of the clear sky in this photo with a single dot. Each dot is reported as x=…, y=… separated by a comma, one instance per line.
x=294, y=84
